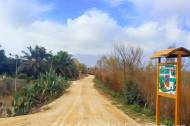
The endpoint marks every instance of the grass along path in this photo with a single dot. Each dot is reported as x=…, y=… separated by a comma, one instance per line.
x=138, y=113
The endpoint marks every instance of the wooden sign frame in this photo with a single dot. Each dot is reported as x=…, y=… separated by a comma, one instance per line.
x=176, y=96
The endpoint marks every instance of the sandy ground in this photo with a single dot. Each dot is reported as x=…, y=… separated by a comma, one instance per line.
x=81, y=105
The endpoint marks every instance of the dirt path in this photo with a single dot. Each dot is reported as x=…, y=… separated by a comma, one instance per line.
x=82, y=105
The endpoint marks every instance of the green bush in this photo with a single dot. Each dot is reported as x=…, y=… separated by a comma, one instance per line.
x=46, y=88
x=136, y=108
x=131, y=94
x=51, y=85
x=167, y=122
x=23, y=100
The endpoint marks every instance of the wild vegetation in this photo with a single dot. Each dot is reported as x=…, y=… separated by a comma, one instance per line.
x=35, y=78
x=48, y=86
x=125, y=73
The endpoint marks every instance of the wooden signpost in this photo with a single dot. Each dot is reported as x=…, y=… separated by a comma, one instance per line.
x=169, y=78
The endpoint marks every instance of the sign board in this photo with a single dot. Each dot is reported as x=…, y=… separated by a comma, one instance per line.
x=167, y=79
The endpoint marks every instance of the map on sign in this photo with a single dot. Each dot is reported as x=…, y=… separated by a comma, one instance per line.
x=167, y=79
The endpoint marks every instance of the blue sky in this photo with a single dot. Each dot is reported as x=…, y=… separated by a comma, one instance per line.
x=90, y=28
x=64, y=9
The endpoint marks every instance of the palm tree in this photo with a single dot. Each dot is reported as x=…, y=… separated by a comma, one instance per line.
x=35, y=61
x=63, y=63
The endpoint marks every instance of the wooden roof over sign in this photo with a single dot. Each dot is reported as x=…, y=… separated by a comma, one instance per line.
x=171, y=53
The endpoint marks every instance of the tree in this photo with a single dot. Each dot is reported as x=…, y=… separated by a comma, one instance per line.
x=130, y=58
x=64, y=65
x=7, y=65
x=82, y=68
x=35, y=61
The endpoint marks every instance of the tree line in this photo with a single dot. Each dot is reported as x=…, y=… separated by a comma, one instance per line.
x=38, y=60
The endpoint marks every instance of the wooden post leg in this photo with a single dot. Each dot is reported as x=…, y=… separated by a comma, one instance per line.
x=157, y=96
x=158, y=110
x=178, y=83
x=177, y=116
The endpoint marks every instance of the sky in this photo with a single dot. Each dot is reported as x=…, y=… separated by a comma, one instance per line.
x=90, y=28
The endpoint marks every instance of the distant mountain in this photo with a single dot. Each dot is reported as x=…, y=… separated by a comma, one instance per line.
x=89, y=60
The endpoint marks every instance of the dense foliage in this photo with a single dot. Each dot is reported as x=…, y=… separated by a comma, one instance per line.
x=35, y=61
x=64, y=65
x=7, y=65
x=131, y=94
x=38, y=60
x=48, y=86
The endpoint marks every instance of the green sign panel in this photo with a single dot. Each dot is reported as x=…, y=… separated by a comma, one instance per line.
x=167, y=79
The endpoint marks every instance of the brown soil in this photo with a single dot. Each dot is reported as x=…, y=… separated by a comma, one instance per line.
x=81, y=105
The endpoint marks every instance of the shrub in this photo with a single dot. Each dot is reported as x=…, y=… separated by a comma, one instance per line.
x=51, y=85
x=167, y=122
x=22, y=101
x=130, y=93
x=47, y=87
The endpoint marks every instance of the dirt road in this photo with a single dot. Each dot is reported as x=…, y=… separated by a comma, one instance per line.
x=81, y=105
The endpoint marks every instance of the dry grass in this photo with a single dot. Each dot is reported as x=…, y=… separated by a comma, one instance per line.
x=111, y=73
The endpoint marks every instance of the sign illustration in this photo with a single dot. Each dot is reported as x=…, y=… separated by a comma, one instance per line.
x=167, y=79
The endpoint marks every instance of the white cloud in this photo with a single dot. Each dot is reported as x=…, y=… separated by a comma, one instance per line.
x=94, y=32
x=153, y=36
x=19, y=12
